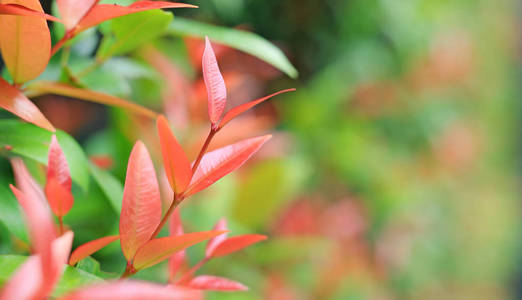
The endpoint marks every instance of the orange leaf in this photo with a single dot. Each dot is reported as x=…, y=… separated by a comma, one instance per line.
x=132, y=290
x=141, y=207
x=234, y=112
x=214, y=242
x=20, y=10
x=12, y=100
x=60, y=199
x=218, y=163
x=44, y=87
x=25, y=42
x=216, y=89
x=91, y=247
x=236, y=243
x=72, y=11
x=215, y=283
x=156, y=250
x=104, y=12
x=175, y=161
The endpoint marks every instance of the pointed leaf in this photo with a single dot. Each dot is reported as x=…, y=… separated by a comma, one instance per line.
x=12, y=100
x=214, y=242
x=20, y=10
x=25, y=181
x=237, y=243
x=91, y=247
x=156, y=250
x=61, y=248
x=175, y=161
x=58, y=184
x=141, y=207
x=215, y=283
x=26, y=282
x=60, y=199
x=104, y=12
x=47, y=87
x=132, y=290
x=218, y=163
x=25, y=42
x=72, y=11
x=234, y=112
x=216, y=89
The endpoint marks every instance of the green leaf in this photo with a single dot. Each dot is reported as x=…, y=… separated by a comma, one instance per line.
x=110, y=186
x=134, y=30
x=33, y=142
x=8, y=265
x=72, y=279
x=245, y=41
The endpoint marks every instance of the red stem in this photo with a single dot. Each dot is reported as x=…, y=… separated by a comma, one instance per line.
x=192, y=270
x=203, y=150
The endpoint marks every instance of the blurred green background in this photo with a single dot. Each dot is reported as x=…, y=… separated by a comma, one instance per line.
x=394, y=171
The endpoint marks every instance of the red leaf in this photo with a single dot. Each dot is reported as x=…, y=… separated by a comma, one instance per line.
x=177, y=261
x=12, y=100
x=234, y=112
x=26, y=282
x=58, y=185
x=159, y=249
x=91, y=247
x=214, y=242
x=104, y=12
x=216, y=89
x=236, y=243
x=72, y=11
x=20, y=10
x=25, y=42
x=132, y=290
x=141, y=207
x=175, y=161
x=60, y=199
x=214, y=283
x=40, y=225
x=218, y=163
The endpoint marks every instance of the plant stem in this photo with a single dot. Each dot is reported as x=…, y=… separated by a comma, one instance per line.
x=175, y=201
x=192, y=270
x=68, y=35
x=204, y=148
x=129, y=270
x=60, y=221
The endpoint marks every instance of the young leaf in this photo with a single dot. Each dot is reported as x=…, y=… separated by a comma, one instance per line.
x=104, y=12
x=176, y=261
x=175, y=161
x=216, y=89
x=26, y=282
x=214, y=242
x=91, y=247
x=132, y=290
x=215, y=283
x=12, y=100
x=61, y=248
x=141, y=207
x=236, y=243
x=72, y=11
x=25, y=181
x=234, y=112
x=156, y=250
x=222, y=161
x=20, y=10
x=25, y=42
x=58, y=184
x=248, y=42
x=47, y=87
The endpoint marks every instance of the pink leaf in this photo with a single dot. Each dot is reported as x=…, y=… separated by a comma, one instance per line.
x=214, y=242
x=12, y=100
x=216, y=89
x=58, y=185
x=26, y=282
x=176, y=261
x=25, y=181
x=222, y=161
x=91, y=247
x=175, y=161
x=132, y=290
x=156, y=250
x=214, y=283
x=141, y=207
x=61, y=248
x=72, y=11
x=234, y=112
x=236, y=243
x=104, y=12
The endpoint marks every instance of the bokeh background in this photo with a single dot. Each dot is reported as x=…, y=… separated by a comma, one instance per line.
x=394, y=171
